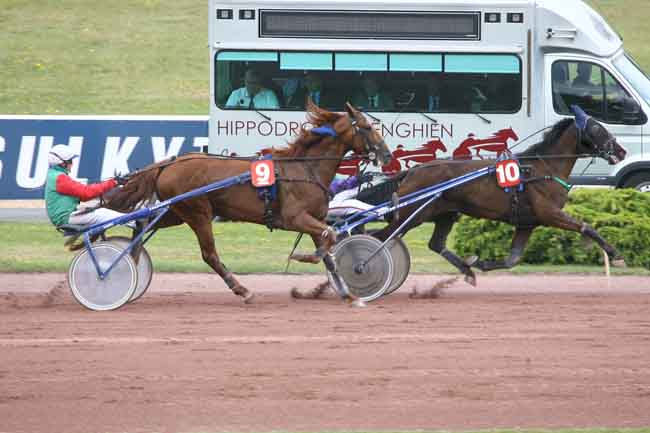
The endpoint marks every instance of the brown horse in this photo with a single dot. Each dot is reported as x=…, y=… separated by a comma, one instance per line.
x=305, y=169
x=540, y=204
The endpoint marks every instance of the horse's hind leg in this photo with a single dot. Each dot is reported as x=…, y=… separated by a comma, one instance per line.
x=438, y=244
x=203, y=231
x=519, y=241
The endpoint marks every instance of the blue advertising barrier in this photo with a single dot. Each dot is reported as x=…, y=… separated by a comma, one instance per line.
x=107, y=145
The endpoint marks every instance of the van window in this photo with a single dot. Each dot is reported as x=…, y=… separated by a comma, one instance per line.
x=373, y=81
x=589, y=86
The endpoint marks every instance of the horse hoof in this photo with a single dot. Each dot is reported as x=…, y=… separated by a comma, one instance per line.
x=471, y=260
x=358, y=303
x=619, y=263
x=471, y=279
x=248, y=299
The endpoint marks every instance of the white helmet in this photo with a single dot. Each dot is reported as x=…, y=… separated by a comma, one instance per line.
x=60, y=154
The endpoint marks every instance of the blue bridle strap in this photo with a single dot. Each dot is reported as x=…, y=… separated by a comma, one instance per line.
x=581, y=117
x=324, y=130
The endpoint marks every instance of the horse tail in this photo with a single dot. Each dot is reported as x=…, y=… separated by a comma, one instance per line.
x=140, y=188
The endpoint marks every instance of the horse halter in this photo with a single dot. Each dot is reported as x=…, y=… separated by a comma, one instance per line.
x=370, y=147
x=606, y=150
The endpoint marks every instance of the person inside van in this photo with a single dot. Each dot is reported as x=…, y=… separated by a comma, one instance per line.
x=372, y=97
x=253, y=95
x=312, y=87
x=583, y=79
x=434, y=93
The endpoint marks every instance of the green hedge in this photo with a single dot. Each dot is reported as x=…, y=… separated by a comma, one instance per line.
x=622, y=217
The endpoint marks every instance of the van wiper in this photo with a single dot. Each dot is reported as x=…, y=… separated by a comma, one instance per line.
x=262, y=114
x=376, y=119
x=428, y=117
x=483, y=118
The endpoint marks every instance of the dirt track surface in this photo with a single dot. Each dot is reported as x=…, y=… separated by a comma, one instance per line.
x=529, y=351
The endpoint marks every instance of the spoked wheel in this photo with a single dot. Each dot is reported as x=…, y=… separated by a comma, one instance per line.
x=144, y=265
x=366, y=281
x=401, y=263
x=115, y=290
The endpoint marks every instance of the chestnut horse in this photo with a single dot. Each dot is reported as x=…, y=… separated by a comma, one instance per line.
x=540, y=204
x=305, y=169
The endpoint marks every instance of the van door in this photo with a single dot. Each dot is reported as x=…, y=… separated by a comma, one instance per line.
x=591, y=85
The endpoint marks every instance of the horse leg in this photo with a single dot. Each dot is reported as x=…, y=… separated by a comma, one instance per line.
x=564, y=221
x=519, y=241
x=438, y=242
x=203, y=231
x=323, y=236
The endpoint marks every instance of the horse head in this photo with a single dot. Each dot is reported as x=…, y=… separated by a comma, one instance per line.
x=595, y=139
x=365, y=138
x=353, y=131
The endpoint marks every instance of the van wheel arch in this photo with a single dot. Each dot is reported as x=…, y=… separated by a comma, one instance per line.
x=639, y=180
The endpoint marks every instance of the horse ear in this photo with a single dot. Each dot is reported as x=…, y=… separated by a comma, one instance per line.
x=581, y=116
x=350, y=109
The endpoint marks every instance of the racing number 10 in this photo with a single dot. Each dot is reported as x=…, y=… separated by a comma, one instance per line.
x=262, y=173
x=508, y=173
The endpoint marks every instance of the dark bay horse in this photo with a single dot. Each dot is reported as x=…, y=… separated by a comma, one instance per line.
x=305, y=170
x=540, y=204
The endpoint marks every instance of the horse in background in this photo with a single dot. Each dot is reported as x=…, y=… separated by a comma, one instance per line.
x=539, y=204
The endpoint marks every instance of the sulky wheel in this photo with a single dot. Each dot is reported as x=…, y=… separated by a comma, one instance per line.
x=115, y=290
x=401, y=263
x=143, y=263
x=366, y=282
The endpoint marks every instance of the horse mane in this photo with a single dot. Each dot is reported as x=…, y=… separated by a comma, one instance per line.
x=550, y=137
x=316, y=116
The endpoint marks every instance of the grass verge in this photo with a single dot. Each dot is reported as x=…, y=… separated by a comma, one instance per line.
x=245, y=248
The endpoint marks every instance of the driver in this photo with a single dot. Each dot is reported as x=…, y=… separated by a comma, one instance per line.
x=63, y=194
x=344, y=191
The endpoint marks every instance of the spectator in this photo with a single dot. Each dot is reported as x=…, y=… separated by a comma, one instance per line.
x=253, y=95
x=583, y=79
x=372, y=97
x=433, y=94
x=312, y=88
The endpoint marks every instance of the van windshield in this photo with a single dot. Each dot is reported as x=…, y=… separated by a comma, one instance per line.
x=634, y=75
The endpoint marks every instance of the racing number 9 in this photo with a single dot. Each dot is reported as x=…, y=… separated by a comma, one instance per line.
x=508, y=174
x=262, y=173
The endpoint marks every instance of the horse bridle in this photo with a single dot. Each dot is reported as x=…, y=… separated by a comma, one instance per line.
x=370, y=147
x=605, y=151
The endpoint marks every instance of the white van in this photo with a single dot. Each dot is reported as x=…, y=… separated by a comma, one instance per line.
x=452, y=78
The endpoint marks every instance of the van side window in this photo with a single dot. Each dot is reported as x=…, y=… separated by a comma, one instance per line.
x=373, y=81
x=589, y=86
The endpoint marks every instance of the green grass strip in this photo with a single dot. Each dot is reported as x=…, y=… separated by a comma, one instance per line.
x=244, y=248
